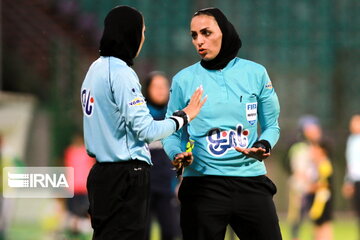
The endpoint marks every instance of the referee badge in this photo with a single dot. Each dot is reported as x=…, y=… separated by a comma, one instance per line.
x=251, y=112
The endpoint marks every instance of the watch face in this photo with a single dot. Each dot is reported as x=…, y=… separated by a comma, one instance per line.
x=181, y=114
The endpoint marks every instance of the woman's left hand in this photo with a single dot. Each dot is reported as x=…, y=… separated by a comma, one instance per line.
x=254, y=152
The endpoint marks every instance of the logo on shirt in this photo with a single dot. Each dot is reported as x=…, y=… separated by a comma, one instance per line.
x=87, y=102
x=136, y=102
x=269, y=85
x=220, y=142
x=251, y=112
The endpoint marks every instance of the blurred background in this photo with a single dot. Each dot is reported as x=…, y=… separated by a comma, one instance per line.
x=311, y=50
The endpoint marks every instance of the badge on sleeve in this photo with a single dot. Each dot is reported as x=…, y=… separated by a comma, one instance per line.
x=269, y=85
x=87, y=102
x=251, y=112
x=136, y=102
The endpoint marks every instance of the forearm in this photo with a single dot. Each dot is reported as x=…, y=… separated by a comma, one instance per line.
x=271, y=134
x=155, y=130
x=172, y=145
x=269, y=111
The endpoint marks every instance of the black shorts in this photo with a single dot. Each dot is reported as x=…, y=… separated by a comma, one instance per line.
x=119, y=199
x=210, y=203
x=327, y=214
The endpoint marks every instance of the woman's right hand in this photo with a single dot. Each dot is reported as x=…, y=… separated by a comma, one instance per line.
x=195, y=104
x=182, y=160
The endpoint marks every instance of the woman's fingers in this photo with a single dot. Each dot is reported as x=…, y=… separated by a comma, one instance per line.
x=195, y=104
x=177, y=163
x=203, y=101
x=188, y=159
x=197, y=95
x=242, y=150
x=258, y=153
x=199, y=101
x=182, y=159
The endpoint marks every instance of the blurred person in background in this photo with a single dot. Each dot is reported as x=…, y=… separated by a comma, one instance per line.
x=224, y=179
x=118, y=127
x=351, y=187
x=75, y=156
x=303, y=172
x=163, y=202
x=321, y=196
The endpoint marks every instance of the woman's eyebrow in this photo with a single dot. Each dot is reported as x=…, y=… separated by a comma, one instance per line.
x=204, y=29
x=201, y=30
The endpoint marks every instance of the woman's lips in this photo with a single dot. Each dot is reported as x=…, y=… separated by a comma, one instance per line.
x=202, y=51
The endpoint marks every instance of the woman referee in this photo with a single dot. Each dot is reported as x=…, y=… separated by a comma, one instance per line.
x=118, y=128
x=226, y=182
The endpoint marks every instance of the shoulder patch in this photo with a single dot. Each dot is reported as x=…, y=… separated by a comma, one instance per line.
x=87, y=102
x=136, y=102
x=268, y=85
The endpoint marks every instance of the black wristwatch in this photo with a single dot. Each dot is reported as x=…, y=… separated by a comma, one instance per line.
x=263, y=144
x=180, y=118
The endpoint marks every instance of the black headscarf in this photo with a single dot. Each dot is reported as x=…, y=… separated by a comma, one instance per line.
x=230, y=44
x=122, y=34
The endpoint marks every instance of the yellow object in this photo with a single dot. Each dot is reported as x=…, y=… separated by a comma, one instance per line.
x=323, y=194
x=190, y=145
x=318, y=206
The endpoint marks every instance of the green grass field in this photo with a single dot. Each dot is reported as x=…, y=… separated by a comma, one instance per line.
x=344, y=229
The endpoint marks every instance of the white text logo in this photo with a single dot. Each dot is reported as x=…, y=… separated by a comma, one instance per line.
x=38, y=182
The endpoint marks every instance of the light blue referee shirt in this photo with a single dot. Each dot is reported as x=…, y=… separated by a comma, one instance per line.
x=353, y=158
x=117, y=122
x=239, y=97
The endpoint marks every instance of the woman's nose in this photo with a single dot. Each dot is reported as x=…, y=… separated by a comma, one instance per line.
x=200, y=41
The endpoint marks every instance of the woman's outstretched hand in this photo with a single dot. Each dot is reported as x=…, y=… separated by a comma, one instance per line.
x=254, y=152
x=195, y=104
